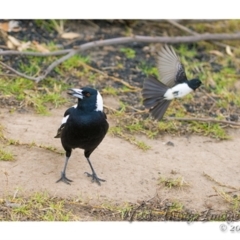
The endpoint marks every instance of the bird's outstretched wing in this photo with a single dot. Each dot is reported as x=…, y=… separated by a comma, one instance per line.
x=171, y=70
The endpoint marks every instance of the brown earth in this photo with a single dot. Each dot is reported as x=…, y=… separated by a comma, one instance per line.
x=132, y=174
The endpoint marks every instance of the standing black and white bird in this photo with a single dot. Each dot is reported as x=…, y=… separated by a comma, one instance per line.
x=83, y=126
x=157, y=95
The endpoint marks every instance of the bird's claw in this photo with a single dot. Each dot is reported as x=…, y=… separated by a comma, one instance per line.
x=64, y=179
x=95, y=178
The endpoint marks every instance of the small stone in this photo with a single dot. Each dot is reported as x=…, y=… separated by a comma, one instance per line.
x=169, y=143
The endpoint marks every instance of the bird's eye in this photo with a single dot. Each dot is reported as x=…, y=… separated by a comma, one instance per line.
x=87, y=94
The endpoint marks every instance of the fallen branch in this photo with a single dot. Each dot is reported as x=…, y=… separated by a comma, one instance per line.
x=185, y=29
x=35, y=54
x=181, y=27
x=121, y=40
x=208, y=120
x=17, y=73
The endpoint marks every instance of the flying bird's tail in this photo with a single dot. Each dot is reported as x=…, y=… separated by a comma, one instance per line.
x=153, y=97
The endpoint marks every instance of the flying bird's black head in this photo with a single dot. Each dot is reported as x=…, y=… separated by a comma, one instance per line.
x=89, y=99
x=194, y=84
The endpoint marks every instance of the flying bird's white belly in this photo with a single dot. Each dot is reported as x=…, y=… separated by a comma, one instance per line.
x=177, y=91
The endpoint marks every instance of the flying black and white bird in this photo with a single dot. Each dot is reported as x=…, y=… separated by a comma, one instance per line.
x=157, y=95
x=83, y=126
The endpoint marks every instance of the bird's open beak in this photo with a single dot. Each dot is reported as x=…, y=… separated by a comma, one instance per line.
x=76, y=92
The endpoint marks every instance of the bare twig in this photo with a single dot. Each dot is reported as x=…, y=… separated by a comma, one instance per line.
x=8, y=75
x=55, y=64
x=209, y=120
x=181, y=27
x=185, y=29
x=18, y=73
x=36, y=54
x=121, y=40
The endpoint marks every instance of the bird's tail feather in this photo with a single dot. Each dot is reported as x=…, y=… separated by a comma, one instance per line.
x=153, y=87
x=153, y=97
x=160, y=108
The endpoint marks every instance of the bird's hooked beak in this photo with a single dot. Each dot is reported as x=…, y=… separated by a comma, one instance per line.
x=76, y=92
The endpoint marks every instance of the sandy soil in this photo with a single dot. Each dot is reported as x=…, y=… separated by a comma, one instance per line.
x=131, y=173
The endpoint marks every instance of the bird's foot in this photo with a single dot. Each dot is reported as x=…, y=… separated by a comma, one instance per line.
x=64, y=179
x=95, y=178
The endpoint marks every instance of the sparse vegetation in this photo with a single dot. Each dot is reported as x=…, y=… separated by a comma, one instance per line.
x=149, y=70
x=42, y=207
x=5, y=155
x=38, y=207
x=129, y=52
x=170, y=182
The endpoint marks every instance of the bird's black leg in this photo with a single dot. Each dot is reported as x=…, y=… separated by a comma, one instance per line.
x=63, y=177
x=94, y=175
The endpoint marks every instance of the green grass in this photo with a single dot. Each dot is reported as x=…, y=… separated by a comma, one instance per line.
x=40, y=206
x=170, y=182
x=37, y=207
x=108, y=90
x=148, y=70
x=74, y=62
x=49, y=91
x=50, y=25
x=6, y=155
x=120, y=132
x=129, y=52
x=209, y=129
x=39, y=97
x=232, y=199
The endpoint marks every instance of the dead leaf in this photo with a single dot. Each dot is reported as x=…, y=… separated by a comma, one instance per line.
x=24, y=46
x=11, y=26
x=70, y=35
x=13, y=43
x=229, y=51
x=216, y=53
x=4, y=26
x=40, y=47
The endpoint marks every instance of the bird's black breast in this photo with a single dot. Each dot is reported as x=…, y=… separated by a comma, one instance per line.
x=84, y=131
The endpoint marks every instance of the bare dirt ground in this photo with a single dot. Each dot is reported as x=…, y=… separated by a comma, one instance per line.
x=132, y=175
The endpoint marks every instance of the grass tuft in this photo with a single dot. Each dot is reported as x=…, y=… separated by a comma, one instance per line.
x=6, y=155
x=168, y=182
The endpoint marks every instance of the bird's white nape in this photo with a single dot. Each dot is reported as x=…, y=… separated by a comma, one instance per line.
x=99, y=103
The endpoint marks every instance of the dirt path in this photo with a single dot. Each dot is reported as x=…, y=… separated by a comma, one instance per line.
x=131, y=173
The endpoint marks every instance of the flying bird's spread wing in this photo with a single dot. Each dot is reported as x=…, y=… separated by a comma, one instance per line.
x=171, y=70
